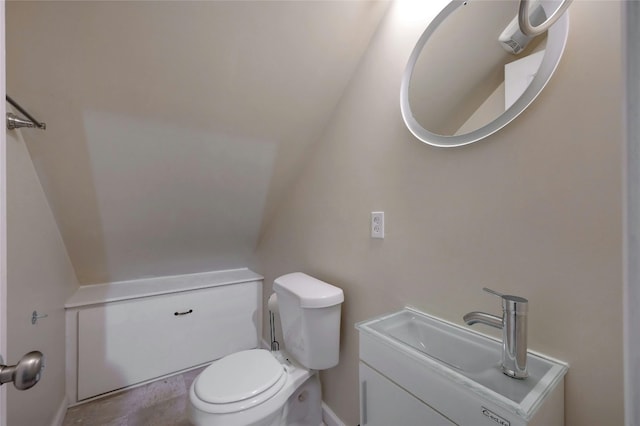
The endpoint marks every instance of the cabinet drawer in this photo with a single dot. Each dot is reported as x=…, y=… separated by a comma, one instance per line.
x=123, y=343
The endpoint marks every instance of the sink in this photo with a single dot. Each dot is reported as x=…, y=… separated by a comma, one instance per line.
x=465, y=357
x=466, y=353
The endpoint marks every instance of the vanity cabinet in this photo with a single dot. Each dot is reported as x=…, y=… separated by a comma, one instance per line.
x=383, y=403
x=416, y=369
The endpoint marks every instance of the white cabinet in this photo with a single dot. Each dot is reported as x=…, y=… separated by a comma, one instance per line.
x=383, y=403
x=116, y=344
x=403, y=383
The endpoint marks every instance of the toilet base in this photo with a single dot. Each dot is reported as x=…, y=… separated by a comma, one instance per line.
x=304, y=407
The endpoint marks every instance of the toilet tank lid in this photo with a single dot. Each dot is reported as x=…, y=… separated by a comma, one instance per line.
x=311, y=292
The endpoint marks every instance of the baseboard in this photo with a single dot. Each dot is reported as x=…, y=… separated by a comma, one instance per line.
x=329, y=417
x=58, y=420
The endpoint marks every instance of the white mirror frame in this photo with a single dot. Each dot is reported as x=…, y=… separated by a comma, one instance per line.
x=556, y=42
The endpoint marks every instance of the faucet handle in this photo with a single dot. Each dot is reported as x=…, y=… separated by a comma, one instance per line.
x=495, y=293
x=510, y=303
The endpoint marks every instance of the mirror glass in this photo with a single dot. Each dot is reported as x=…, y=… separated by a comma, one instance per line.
x=473, y=71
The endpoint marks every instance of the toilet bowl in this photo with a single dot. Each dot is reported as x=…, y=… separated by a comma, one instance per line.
x=261, y=388
x=250, y=388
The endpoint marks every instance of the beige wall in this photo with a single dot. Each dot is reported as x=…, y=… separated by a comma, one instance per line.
x=534, y=210
x=39, y=277
x=174, y=128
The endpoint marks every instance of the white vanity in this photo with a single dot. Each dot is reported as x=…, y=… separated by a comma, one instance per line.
x=416, y=369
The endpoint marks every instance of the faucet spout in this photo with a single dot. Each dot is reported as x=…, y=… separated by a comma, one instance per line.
x=483, y=318
x=513, y=324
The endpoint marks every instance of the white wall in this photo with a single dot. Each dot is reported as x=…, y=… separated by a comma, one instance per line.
x=534, y=210
x=40, y=277
x=3, y=224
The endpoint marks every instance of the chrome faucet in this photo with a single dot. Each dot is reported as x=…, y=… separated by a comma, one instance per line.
x=514, y=332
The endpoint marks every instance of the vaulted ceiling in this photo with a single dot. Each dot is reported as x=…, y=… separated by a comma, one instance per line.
x=175, y=128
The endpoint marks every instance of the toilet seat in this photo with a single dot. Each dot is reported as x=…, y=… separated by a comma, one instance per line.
x=240, y=381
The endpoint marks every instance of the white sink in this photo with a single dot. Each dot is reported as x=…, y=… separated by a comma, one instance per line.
x=465, y=357
x=465, y=352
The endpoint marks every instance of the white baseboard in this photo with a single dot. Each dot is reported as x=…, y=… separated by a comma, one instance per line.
x=62, y=411
x=330, y=418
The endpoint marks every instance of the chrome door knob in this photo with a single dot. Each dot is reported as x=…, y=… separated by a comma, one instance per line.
x=26, y=373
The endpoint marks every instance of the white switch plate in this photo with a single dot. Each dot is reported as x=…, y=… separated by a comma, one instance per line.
x=377, y=224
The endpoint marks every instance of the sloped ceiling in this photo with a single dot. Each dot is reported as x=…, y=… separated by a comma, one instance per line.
x=174, y=128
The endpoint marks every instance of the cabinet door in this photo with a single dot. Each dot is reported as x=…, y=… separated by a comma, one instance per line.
x=123, y=343
x=383, y=403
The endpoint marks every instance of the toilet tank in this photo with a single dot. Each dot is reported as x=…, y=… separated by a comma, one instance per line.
x=310, y=318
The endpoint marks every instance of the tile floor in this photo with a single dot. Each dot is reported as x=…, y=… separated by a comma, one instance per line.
x=160, y=403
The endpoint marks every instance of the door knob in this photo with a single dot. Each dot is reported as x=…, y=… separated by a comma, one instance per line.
x=26, y=373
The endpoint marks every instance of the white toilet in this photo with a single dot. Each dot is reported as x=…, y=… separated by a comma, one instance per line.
x=262, y=388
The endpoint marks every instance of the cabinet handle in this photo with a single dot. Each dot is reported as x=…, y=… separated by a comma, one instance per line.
x=183, y=313
x=363, y=401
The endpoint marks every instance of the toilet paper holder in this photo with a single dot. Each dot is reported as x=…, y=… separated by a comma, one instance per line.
x=35, y=317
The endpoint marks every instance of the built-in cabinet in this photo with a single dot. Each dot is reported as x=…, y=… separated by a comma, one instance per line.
x=117, y=342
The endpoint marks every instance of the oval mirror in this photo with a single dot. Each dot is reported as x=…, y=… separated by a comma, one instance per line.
x=473, y=71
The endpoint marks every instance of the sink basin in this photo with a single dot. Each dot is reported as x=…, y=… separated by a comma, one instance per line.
x=467, y=353
x=466, y=357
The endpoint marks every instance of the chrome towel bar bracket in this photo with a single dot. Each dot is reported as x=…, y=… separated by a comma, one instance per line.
x=15, y=122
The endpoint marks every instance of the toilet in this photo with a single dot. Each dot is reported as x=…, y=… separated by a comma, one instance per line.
x=257, y=387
